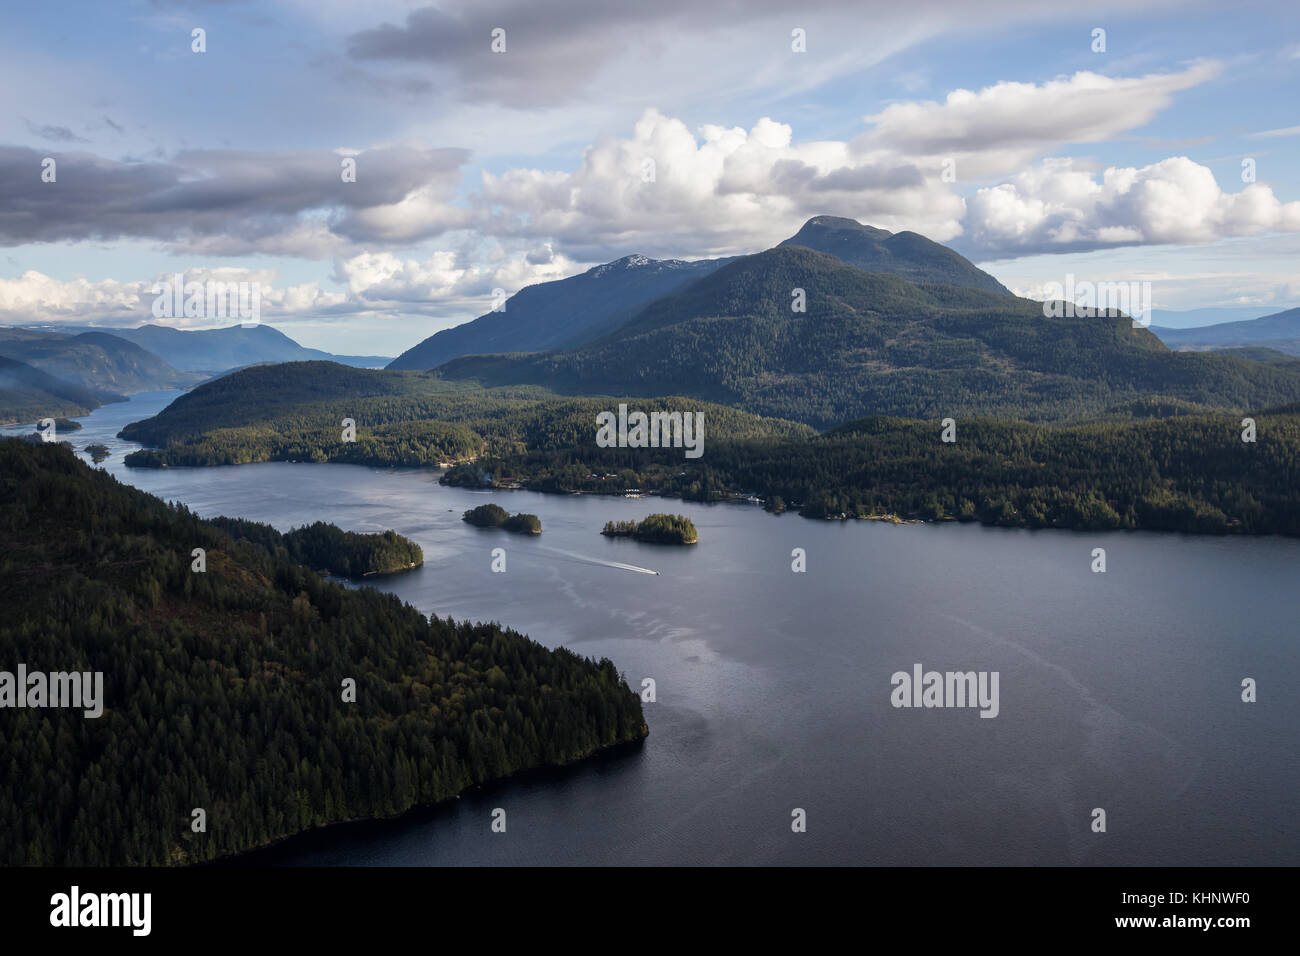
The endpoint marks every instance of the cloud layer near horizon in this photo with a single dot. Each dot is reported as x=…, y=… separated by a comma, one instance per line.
x=974, y=170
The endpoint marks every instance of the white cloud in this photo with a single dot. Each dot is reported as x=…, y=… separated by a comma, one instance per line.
x=33, y=298
x=1273, y=133
x=1004, y=126
x=443, y=281
x=1058, y=205
x=729, y=190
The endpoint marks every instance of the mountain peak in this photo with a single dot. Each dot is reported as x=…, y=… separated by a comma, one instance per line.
x=634, y=261
x=908, y=255
x=838, y=224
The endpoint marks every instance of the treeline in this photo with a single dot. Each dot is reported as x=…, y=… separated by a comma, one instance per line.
x=494, y=516
x=224, y=690
x=327, y=548
x=402, y=444
x=1191, y=473
x=656, y=528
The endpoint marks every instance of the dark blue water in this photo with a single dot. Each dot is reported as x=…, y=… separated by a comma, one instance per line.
x=1119, y=690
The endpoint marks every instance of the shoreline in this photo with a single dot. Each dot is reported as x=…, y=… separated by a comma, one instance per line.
x=887, y=519
x=319, y=831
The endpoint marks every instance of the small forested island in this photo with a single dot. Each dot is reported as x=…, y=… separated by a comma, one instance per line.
x=274, y=699
x=494, y=516
x=656, y=528
x=97, y=451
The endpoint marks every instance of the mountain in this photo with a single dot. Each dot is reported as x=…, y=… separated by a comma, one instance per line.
x=1280, y=331
x=905, y=254
x=209, y=351
x=95, y=360
x=878, y=344
x=561, y=313
x=222, y=689
x=28, y=394
x=215, y=350
x=571, y=312
x=1195, y=318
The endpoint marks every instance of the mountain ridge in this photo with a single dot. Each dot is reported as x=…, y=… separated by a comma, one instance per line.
x=571, y=312
x=871, y=343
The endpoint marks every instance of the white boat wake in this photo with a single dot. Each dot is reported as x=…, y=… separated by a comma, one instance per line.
x=585, y=559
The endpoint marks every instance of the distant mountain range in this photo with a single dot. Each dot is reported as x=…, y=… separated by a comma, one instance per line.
x=568, y=313
x=96, y=360
x=87, y=366
x=28, y=394
x=1280, y=331
x=1210, y=315
x=210, y=351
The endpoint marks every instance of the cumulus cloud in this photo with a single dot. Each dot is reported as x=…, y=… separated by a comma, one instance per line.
x=444, y=280
x=376, y=283
x=232, y=202
x=665, y=190
x=35, y=298
x=1060, y=206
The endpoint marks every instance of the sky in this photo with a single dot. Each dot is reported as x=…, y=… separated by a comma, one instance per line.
x=499, y=143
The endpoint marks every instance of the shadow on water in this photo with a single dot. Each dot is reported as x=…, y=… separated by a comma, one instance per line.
x=298, y=849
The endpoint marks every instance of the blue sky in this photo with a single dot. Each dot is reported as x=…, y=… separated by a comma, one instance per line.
x=480, y=170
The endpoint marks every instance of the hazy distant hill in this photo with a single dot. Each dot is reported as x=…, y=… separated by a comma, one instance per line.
x=215, y=350
x=209, y=351
x=905, y=254
x=878, y=344
x=560, y=313
x=28, y=394
x=1210, y=315
x=1280, y=331
x=95, y=360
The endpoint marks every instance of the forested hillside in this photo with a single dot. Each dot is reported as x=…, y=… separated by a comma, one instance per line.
x=294, y=411
x=95, y=360
x=28, y=394
x=877, y=344
x=908, y=255
x=557, y=314
x=325, y=548
x=224, y=690
x=1189, y=473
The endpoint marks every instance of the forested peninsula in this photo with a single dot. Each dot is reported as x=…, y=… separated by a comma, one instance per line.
x=273, y=700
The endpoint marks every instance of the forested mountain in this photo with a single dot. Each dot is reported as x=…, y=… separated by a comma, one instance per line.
x=225, y=690
x=28, y=394
x=906, y=254
x=878, y=344
x=560, y=313
x=295, y=411
x=93, y=359
x=571, y=312
x=1279, y=331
